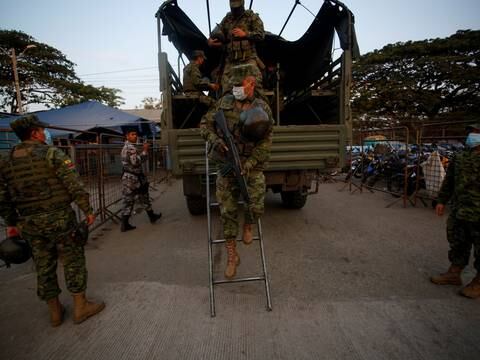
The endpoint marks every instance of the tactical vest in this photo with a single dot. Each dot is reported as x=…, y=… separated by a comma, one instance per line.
x=240, y=50
x=33, y=185
x=187, y=79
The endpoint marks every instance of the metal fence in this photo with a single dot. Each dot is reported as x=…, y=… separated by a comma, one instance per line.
x=100, y=169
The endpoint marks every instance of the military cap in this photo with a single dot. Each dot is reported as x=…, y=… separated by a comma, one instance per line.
x=473, y=127
x=22, y=125
x=240, y=72
x=237, y=3
x=198, y=53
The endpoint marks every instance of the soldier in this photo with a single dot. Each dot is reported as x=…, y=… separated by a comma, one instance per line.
x=38, y=182
x=462, y=187
x=253, y=144
x=239, y=30
x=134, y=181
x=194, y=83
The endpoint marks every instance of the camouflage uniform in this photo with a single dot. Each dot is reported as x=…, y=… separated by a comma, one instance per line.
x=38, y=182
x=241, y=51
x=462, y=187
x=134, y=181
x=257, y=154
x=194, y=83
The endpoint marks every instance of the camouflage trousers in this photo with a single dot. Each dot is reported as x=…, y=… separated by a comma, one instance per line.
x=131, y=189
x=462, y=235
x=228, y=193
x=226, y=75
x=51, y=237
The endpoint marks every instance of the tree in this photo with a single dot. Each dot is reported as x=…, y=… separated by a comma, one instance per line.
x=419, y=82
x=151, y=103
x=46, y=76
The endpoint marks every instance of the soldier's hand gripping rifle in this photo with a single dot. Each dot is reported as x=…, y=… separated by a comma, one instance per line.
x=232, y=155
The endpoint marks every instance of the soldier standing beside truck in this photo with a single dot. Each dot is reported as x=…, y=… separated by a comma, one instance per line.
x=462, y=187
x=239, y=30
x=134, y=181
x=38, y=182
x=253, y=144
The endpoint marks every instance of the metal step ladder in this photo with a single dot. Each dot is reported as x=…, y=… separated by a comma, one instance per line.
x=212, y=242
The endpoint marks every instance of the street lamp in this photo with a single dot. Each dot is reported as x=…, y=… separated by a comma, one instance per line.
x=13, y=57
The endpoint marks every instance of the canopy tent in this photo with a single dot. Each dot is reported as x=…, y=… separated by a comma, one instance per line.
x=89, y=116
x=304, y=61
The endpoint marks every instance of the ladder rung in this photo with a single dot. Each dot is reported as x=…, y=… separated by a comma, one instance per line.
x=220, y=241
x=255, y=278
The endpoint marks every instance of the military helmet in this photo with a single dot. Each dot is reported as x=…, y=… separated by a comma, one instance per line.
x=24, y=124
x=198, y=53
x=15, y=250
x=255, y=124
x=236, y=3
x=240, y=72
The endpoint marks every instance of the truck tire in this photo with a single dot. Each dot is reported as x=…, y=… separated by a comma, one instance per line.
x=294, y=199
x=196, y=205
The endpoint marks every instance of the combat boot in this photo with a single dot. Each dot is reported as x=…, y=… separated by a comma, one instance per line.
x=247, y=236
x=83, y=309
x=233, y=260
x=152, y=216
x=56, y=311
x=125, y=224
x=451, y=277
x=472, y=290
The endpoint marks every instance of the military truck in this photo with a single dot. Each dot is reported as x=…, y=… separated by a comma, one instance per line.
x=308, y=89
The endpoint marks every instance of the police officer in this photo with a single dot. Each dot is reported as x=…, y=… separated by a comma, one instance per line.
x=194, y=83
x=134, y=181
x=253, y=145
x=38, y=182
x=461, y=187
x=239, y=31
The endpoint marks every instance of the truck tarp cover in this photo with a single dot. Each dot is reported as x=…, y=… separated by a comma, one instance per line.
x=302, y=61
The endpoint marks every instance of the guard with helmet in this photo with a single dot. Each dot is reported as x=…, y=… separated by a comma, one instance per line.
x=38, y=183
x=250, y=121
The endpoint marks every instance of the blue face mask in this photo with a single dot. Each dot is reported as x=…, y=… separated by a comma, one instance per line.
x=473, y=140
x=48, y=137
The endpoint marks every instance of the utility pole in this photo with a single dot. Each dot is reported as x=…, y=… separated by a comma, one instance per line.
x=17, y=82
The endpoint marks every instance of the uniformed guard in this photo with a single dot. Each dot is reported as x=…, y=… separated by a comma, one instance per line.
x=38, y=182
x=246, y=116
x=194, y=83
x=461, y=187
x=134, y=181
x=239, y=30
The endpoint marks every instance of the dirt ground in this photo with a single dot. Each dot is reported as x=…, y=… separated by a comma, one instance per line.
x=348, y=278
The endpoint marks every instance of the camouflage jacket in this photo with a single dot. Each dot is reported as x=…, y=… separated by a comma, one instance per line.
x=192, y=79
x=256, y=153
x=461, y=186
x=242, y=49
x=36, y=178
x=132, y=160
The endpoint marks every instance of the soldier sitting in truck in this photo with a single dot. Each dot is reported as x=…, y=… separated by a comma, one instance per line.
x=194, y=83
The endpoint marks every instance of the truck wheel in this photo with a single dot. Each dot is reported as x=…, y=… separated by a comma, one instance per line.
x=294, y=199
x=196, y=205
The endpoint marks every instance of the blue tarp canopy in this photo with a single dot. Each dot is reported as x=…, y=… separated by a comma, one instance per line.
x=89, y=115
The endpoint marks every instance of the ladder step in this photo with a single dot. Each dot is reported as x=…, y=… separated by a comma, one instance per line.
x=255, y=278
x=220, y=241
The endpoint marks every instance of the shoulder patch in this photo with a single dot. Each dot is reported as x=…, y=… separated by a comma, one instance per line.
x=68, y=163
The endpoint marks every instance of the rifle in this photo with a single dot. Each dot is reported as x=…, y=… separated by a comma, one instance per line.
x=232, y=155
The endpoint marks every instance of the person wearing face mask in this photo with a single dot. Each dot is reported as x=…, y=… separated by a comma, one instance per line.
x=239, y=31
x=461, y=187
x=194, y=83
x=38, y=183
x=253, y=144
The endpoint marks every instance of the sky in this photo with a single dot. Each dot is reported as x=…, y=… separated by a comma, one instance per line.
x=114, y=42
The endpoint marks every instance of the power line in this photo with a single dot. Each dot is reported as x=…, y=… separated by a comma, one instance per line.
x=119, y=71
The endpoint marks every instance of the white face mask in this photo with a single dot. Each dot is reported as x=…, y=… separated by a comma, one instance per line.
x=239, y=93
x=473, y=140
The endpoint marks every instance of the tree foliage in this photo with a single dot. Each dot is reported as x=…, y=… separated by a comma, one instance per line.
x=151, y=103
x=46, y=76
x=419, y=82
